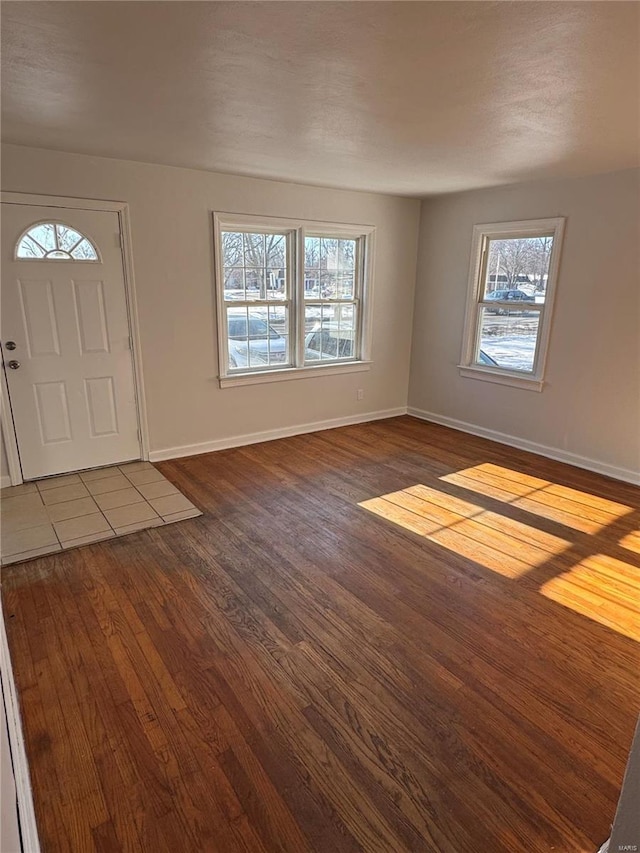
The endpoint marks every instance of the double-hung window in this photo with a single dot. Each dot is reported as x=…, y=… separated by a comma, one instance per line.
x=293, y=298
x=512, y=282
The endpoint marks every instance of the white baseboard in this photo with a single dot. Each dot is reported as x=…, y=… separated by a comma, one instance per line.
x=28, y=826
x=625, y=474
x=5, y=481
x=270, y=435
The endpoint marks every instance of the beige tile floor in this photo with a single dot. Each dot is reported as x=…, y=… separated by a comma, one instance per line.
x=76, y=509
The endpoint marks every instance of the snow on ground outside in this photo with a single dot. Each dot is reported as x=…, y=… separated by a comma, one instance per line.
x=513, y=352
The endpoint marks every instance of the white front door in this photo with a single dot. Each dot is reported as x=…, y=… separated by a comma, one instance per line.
x=66, y=341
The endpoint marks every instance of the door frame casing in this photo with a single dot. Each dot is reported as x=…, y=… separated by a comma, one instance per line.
x=121, y=208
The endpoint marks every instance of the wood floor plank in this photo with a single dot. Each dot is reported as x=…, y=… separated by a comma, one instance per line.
x=515, y=651
x=385, y=637
x=569, y=733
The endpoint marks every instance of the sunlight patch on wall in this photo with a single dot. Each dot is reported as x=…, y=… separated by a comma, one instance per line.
x=571, y=507
x=494, y=541
x=603, y=589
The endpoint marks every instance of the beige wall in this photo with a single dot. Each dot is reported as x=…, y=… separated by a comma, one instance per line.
x=172, y=250
x=590, y=405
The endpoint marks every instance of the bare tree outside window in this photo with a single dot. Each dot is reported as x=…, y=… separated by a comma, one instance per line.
x=518, y=262
x=329, y=267
x=290, y=297
x=54, y=241
x=254, y=265
x=510, y=299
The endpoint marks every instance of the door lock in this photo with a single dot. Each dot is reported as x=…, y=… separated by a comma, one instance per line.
x=14, y=365
x=10, y=345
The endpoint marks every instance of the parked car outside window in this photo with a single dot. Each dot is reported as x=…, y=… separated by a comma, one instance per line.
x=506, y=296
x=252, y=341
x=329, y=342
x=485, y=358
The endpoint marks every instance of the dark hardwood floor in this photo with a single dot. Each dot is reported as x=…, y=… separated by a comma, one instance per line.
x=388, y=637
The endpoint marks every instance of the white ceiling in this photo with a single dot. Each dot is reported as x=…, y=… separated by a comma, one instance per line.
x=404, y=97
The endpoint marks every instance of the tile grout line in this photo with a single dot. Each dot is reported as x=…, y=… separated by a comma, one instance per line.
x=149, y=502
x=55, y=532
x=142, y=496
x=158, y=520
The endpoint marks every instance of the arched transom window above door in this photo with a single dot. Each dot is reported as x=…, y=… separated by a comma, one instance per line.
x=55, y=241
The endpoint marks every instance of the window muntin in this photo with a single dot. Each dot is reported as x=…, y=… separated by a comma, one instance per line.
x=55, y=241
x=289, y=298
x=255, y=266
x=512, y=280
x=329, y=267
x=256, y=298
x=331, y=303
x=257, y=338
x=332, y=334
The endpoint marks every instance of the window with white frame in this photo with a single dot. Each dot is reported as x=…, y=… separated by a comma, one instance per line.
x=512, y=281
x=292, y=297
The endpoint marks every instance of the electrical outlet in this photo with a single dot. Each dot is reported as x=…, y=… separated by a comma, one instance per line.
x=360, y=394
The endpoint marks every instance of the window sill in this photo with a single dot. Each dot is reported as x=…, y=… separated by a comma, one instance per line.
x=530, y=383
x=292, y=373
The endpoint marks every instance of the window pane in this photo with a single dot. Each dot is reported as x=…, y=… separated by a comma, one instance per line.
x=29, y=249
x=84, y=251
x=330, y=332
x=67, y=237
x=508, y=340
x=232, y=249
x=254, y=266
x=254, y=250
x=255, y=283
x=320, y=284
x=258, y=337
x=276, y=250
x=347, y=254
x=345, y=285
x=329, y=271
x=517, y=269
x=44, y=235
x=312, y=253
x=315, y=314
x=276, y=283
x=234, y=283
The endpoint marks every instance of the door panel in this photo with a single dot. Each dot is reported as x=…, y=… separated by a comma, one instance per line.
x=91, y=316
x=101, y=404
x=73, y=395
x=52, y=407
x=39, y=315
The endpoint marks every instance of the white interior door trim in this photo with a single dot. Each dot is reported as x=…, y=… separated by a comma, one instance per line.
x=9, y=435
x=122, y=210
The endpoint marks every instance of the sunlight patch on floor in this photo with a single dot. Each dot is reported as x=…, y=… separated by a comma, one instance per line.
x=571, y=507
x=494, y=541
x=603, y=589
x=631, y=541
x=599, y=587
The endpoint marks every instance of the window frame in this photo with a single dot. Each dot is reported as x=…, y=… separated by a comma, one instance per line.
x=296, y=230
x=482, y=234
